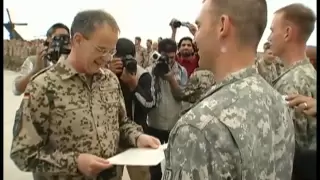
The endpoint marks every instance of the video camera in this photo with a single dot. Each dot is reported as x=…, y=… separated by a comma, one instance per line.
x=130, y=63
x=162, y=64
x=58, y=46
x=176, y=23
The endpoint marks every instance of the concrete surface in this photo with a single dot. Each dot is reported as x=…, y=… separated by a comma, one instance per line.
x=11, y=103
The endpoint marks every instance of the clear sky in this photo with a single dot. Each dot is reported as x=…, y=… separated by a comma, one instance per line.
x=145, y=18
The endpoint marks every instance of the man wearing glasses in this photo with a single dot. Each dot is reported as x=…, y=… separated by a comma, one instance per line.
x=73, y=115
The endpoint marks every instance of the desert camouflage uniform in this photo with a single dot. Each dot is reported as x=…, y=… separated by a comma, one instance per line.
x=300, y=78
x=240, y=130
x=267, y=71
x=142, y=57
x=199, y=82
x=63, y=115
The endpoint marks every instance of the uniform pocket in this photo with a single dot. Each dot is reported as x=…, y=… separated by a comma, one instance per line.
x=71, y=117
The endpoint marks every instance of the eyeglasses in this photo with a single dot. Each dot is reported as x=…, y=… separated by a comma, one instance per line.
x=105, y=52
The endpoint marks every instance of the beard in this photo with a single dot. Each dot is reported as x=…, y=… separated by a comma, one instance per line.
x=186, y=54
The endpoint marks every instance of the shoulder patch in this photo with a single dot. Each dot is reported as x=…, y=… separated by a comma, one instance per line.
x=18, y=116
x=40, y=72
x=17, y=123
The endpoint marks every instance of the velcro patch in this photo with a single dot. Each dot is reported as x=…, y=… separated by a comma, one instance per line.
x=17, y=122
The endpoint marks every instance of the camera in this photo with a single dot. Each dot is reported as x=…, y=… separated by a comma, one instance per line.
x=161, y=63
x=58, y=46
x=176, y=23
x=108, y=173
x=130, y=64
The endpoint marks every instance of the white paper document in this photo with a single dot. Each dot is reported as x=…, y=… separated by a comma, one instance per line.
x=139, y=156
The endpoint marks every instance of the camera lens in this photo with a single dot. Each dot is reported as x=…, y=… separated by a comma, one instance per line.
x=155, y=56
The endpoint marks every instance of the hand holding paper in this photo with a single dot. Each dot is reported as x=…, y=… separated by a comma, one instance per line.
x=146, y=141
x=139, y=156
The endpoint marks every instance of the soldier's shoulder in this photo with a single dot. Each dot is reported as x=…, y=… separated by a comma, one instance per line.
x=111, y=78
x=302, y=73
x=43, y=76
x=205, y=113
x=199, y=74
x=203, y=118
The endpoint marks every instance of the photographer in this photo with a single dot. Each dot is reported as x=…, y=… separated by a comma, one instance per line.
x=33, y=64
x=187, y=55
x=136, y=87
x=165, y=72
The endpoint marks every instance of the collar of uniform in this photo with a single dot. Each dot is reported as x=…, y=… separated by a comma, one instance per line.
x=298, y=63
x=65, y=69
x=233, y=77
x=292, y=66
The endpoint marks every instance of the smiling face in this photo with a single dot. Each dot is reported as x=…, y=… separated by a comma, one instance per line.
x=95, y=51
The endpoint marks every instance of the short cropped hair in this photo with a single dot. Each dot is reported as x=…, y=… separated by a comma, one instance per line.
x=138, y=38
x=56, y=26
x=167, y=46
x=301, y=16
x=149, y=41
x=85, y=22
x=248, y=16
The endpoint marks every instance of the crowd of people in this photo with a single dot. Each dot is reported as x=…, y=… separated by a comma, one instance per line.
x=16, y=51
x=225, y=112
x=21, y=48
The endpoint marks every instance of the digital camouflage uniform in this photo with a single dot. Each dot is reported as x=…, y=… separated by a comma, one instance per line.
x=199, y=82
x=62, y=115
x=240, y=130
x=279, y=66
x=300, y=78
x=267, y=71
